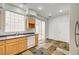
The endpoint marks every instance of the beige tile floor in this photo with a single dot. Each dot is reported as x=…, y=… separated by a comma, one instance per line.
x=50, y=48
x=28, y=52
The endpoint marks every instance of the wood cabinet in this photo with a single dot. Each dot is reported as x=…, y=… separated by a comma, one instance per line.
x=22, y=44
x=2, y=47
x=2, y=43
x=36, y=39
x=11, y=46
x=2, y=50
x=16, y=45
x=30, y=23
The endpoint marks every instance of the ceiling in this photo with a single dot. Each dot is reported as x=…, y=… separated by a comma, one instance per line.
x=49, y=9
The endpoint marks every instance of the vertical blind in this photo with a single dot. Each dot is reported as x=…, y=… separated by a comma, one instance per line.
x=14, y=22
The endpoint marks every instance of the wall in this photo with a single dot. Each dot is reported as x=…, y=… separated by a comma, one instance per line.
x=74, y=16
x=46, y=28
x=59, y=28
x=2, y=21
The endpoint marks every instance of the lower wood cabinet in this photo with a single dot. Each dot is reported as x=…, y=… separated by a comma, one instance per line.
x=11, y=48
x=2, y=50
x=22, y=44
x=16, y=45
x=2, y=47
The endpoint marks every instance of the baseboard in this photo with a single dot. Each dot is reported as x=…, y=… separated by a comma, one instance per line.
x=57, y=40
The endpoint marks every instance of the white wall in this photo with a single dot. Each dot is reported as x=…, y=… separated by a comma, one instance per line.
x=59, y=28
x=46, y=28
x=74, y=16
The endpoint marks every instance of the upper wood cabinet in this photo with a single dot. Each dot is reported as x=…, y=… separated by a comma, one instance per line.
x=30, y=23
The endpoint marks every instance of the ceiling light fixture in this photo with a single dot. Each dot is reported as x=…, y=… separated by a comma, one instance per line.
x=50, y=14
x=40, y=8
x=60, y=11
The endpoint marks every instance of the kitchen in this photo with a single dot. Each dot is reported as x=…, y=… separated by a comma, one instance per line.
x=28, y=30
x=17, y=29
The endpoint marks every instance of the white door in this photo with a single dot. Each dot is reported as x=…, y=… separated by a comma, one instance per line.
x=43, y=30
x=40, y=30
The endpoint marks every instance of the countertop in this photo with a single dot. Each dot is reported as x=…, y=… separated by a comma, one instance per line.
x=9, y=36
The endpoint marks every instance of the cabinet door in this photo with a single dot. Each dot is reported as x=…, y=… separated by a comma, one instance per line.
x=11, y=48
x=2, y=50
x=22, y=44
x=31, y=22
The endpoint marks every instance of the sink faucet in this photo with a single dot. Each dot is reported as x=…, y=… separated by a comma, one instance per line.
x=17, y=33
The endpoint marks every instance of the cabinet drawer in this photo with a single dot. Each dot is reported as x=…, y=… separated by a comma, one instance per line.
x=11, y=40
x=22, y=38
x=2, y=42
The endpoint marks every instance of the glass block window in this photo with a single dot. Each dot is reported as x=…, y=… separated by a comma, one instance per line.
x=14, y=22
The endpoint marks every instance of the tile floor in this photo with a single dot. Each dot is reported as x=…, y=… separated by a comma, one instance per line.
x=51, y=47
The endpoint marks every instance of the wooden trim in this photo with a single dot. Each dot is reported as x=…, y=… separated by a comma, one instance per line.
x=36, y=39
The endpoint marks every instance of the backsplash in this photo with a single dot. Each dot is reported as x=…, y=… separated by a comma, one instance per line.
x=27, y=31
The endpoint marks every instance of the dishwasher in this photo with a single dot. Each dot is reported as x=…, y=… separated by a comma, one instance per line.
x=31, y=42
